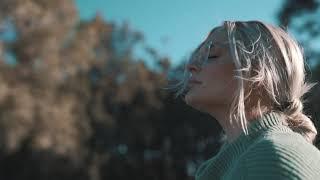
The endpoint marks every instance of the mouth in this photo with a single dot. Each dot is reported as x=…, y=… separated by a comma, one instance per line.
x=193, y=83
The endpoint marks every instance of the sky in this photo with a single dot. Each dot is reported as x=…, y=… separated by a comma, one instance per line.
x=175, y=27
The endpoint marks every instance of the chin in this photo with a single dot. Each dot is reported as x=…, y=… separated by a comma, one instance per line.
x=189, y=99
x=193, y=101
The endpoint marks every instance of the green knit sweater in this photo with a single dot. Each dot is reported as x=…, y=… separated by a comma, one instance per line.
x=271, y=151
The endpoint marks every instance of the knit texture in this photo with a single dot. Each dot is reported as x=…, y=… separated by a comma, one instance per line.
x=271, y=151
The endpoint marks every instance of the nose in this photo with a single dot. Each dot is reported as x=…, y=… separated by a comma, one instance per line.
x=193, y=68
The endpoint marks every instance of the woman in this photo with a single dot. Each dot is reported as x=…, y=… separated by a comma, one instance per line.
x=250, y=77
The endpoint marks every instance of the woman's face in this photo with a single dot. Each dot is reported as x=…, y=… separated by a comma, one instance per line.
x=212, y=85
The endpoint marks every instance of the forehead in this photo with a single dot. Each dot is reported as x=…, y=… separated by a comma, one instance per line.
x=218, y=37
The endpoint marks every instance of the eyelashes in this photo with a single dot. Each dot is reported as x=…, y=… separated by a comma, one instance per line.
x=212, y=57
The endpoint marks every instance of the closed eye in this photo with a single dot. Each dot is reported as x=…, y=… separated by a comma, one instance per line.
x=212, y=57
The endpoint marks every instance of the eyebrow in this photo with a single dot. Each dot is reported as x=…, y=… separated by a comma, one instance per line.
x=219, y=45
x=213, y=44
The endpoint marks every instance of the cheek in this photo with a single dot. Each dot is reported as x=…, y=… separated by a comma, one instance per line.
x=218, y=76
x=218, y=86
x=220, y=82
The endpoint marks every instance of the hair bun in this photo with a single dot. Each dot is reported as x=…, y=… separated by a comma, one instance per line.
x=303, y=125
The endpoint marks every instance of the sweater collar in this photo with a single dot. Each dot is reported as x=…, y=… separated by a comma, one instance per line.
x=257, y=127
x=232, y=150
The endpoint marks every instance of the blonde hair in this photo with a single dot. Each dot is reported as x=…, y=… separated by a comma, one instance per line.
x=271, y=61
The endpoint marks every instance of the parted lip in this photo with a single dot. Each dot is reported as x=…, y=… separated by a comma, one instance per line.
x=195, y=81
x=192, y=82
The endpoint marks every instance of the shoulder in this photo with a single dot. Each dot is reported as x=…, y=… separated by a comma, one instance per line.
x=283, y=156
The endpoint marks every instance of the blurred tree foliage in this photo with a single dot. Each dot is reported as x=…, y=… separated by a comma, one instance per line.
x=76, y=104
x=301, y=17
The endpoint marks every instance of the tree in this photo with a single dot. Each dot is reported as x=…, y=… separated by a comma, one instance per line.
x=75, y=103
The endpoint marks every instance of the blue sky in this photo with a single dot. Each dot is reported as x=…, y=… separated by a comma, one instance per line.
x=175, y=27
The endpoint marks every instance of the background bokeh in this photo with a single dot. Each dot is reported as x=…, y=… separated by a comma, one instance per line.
x=83, y=97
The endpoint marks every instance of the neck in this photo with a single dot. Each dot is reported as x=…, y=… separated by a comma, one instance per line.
x=233, y=131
